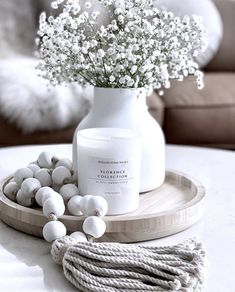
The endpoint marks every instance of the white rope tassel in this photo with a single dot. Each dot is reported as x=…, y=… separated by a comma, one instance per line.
x=110, y=267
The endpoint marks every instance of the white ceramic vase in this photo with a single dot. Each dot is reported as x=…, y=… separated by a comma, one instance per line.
x=126, y=108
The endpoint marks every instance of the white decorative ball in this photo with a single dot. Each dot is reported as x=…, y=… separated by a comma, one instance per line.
x=10, y=190
x=60, y=175
x=83, y=202
x=96, y=206
x=21, y=174
x=33, y=167
x=42, y=193
x=30, y=186
x=54, y=195
x=74, y=206
x=65, y=162
x=44, y=176
x=45, y=159
x=53, y=230
x=54, y=206
x=68, y=191
x=22, y=200
x=94, y=226
x=79, y=236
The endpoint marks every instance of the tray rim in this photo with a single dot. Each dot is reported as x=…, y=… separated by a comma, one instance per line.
x=197, y=198
x=119, y=228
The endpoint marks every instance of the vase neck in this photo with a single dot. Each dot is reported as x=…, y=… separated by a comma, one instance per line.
x=114, y=98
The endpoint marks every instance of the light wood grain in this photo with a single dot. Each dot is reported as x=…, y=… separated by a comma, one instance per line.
x=175, y=206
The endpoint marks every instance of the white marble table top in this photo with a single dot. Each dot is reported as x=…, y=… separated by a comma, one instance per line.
x=25, y=262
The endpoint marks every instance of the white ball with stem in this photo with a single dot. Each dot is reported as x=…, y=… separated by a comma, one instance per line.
x=33, y=167
x=79, y=236
x=22, y=200
x=68, y=191
x=74, y=206
x=95, y=206
x=61, y=175
x=30, y=186
x=53, y=206
x=42, y=194
x=21, y=174
x=10, y=190
x=46, y=160
x=53, y=230
x=94, y=226
x=65, y=162
x=44, y=176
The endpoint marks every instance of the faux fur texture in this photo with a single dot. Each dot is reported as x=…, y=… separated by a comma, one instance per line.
x=26, y=99
x=17, y=27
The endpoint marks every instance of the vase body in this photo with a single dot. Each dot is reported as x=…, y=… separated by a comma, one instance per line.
x=126, y=108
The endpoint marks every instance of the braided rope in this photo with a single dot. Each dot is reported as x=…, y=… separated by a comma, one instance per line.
x=111, y=267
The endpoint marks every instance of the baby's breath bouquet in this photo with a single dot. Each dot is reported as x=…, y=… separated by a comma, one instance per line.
x=131, y=45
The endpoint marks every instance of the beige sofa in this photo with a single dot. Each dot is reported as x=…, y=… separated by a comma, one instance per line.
x=207, y=117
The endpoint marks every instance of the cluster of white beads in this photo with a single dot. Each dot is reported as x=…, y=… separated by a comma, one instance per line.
x=47, y=174
x=93, y=207
x=50, y=183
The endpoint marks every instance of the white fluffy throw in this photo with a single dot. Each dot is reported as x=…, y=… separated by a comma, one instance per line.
x=31, y=104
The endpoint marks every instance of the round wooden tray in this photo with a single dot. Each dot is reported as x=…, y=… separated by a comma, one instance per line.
x=175, y=206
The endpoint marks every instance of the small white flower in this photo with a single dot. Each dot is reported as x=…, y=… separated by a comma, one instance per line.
x=134, y=69
x=129, y=15
x=161, y=92
x=103, y=31
x=37, y=41
x=62, y=57
x=122, y=80
x=136, y=47
x=120, y=18
x=75, y=49
x=198, y=73
x=167, y=84
x=94, y=43
x=48, y=44
x=42, y=18
x=111, y=51
x=191, y=70
x=54, y=5
x=81, y=58
x=101, y=53
x=88, y=5
x=112, y=78
x=84, y=50
x=119, y=67
x=130, y=83
x=86, y=45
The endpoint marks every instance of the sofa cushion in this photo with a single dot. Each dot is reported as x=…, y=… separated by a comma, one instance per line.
x=10, y=135
x=225, y=58
x=205, y=117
